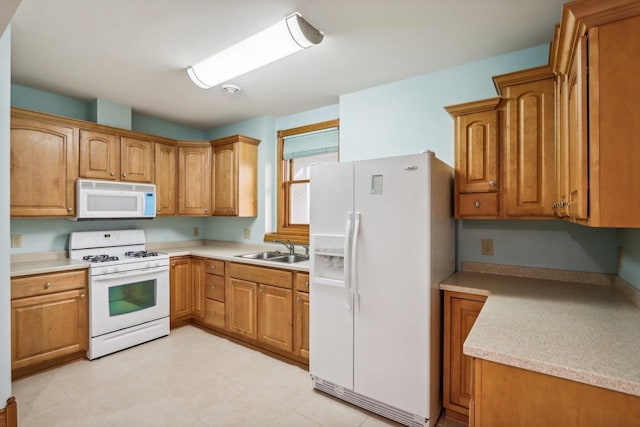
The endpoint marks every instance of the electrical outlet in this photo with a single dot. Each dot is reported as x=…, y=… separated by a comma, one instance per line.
x=16, y=240
x=487, y=247
x=196, y=231
x=247, y=233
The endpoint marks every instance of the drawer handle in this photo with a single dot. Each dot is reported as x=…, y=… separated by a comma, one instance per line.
x=48, y=285
x=476, y=204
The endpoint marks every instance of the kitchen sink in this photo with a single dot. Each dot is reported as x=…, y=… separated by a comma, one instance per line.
x=263, y=255
x=290, y=259
x=276, y=256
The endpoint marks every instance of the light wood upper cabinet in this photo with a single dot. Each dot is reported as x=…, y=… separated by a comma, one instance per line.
x=194, y=179
x=528, y=142
x=99, y=155
x=235, y=176
x=44, y=167
x=49, y=320
x=136, y=160
x=476, y=158
x=166, y=177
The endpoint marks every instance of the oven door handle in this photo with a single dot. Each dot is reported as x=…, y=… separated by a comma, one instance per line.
x=120, y=274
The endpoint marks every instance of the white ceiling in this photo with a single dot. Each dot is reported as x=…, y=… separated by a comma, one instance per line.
x=135, y=52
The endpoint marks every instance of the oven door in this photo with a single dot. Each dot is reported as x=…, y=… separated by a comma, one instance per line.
x=121, y=300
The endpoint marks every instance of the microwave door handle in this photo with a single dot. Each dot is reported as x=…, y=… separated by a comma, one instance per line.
x=120, y=274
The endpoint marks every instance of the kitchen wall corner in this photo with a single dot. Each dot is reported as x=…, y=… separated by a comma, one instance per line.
x=629, y=245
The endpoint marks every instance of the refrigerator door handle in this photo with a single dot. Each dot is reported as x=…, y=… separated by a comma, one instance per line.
x=347, y=270
x=353, y=270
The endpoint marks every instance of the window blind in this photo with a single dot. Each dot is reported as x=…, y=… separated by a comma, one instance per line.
x=310, y=143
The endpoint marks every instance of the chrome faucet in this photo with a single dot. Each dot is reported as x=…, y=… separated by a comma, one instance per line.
x=289, y=244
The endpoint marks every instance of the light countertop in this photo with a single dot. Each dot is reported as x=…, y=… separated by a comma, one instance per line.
x=53, y=262
x=584, y=333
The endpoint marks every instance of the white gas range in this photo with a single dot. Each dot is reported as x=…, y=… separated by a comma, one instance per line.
x=128, y=289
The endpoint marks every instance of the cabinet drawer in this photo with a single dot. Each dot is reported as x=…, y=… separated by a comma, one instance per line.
x=269, y=276
x=302, y=282
x=214, y=287
x=214, y=313
x=213, y=266
x=45, y=284
x=478, y=204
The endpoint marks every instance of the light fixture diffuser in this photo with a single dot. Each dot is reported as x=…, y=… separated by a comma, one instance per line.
x=288, y=36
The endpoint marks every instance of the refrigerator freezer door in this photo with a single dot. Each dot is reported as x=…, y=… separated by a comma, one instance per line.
x=330, y=316
x=391, y=326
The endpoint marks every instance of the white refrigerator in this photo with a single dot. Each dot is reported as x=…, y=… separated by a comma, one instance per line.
x=382, y=238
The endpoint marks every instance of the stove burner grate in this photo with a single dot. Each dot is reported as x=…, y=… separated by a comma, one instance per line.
x=99, y=258
x=140, y=254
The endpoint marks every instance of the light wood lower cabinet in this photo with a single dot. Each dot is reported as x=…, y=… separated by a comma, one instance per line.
x=301, y=316
x=460, y=313
x=242, y=308
x=508, y=396
x=49, y=320
x=180, y=291
x=198, y=278
x=275, y=317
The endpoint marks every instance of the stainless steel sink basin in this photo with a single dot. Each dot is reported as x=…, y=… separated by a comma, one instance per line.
x=290, y=259
x=263, y=255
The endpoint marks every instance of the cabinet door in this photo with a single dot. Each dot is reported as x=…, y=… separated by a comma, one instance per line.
x=99, y=155
x=47, y=327
x=477, y=152
x=136, y=160
x=241, y=306
x=460, y=313
x=43, y=168
x=529, y=149
x=214, y=313
x=562, y=147
x=166, y=175
x=214, y=287
x=275, y=317
x=225, y=180
x=194, y=176
x=577, y=137
x=301, y=325
x=197, y=293
x=180, y=284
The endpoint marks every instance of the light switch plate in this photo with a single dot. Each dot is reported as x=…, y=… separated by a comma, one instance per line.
x=196, y=231
x=247, y=233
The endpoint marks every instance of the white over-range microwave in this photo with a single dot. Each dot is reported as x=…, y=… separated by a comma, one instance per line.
x=111, y=200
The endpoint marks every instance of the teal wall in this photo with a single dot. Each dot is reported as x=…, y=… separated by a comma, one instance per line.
x=5, y=287
x=110, y=113
x=407, y=117
x=40, y=235
x=46, y=102
x=629, y=242
x=146, y=124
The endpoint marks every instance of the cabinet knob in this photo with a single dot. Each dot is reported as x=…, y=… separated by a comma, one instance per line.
x=492, y=183
x=213, y=313
x=124, y=174
x=82, y=296
x=260, y=289
x=212, y=287
x=213, y=267
x=173, y=265
x=69, y=209
x=159, y=209
x=113, y=174
x=48, y=285
x=206, y=210
x=476, y=204
x=298, y=299
x=306, y=284
x=233, y=209
x=252, y=289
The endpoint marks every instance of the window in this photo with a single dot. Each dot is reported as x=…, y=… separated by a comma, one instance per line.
x=298, y=150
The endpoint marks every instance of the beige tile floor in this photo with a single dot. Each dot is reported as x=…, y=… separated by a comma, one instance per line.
x=190, y=378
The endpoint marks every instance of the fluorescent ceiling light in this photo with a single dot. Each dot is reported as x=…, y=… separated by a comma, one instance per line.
x=282, y=39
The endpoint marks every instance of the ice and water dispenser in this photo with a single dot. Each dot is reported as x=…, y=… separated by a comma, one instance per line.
x=328, y=259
